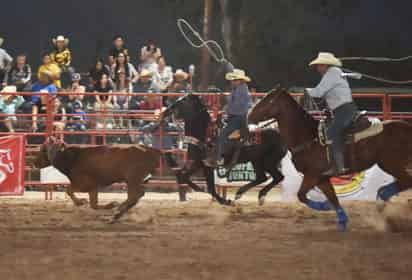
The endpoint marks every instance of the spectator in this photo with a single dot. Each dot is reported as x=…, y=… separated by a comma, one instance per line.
x=180, y=82
x=104, y=102
x=76, y=93
x=122, y=86
x=122, y=66
x=76, y=87
x=5, y=61
x=121, y=99
x=44, y=85
x=19, y=74
x=144, y=85
x=117, y=48
x=59, y=113
x=61, y=56
x=163, y=77
x=8, y=105
x=97, y=71
x=51, y=69
x=149, y=55
x=77, y=122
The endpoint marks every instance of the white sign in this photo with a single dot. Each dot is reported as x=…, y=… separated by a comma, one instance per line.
x=361, y=186
x=50, y=174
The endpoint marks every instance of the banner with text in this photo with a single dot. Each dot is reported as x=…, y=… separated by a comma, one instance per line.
x=12, y=160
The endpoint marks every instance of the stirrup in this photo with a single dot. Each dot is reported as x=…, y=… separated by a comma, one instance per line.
x=332, y=172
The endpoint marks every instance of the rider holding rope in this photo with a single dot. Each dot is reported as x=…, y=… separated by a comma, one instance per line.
x=238, y=103
x=335, y=90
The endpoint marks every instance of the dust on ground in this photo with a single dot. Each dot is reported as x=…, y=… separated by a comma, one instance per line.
x=162, y=238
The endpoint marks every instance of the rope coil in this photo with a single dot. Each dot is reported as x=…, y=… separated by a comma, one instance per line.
x=208, y=44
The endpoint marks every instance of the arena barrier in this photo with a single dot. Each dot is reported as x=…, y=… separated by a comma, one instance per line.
x=103, y=129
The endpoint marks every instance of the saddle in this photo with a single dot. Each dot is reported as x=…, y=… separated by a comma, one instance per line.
x=362, y=127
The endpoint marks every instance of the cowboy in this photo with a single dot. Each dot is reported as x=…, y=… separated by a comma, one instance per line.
x=238, y=103
x=61, y=55
x=334, y=89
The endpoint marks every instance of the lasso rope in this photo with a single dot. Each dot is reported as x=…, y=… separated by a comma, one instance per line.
x=218, y=57
x=378, y=59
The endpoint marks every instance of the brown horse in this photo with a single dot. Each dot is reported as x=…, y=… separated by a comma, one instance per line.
x=391, y=150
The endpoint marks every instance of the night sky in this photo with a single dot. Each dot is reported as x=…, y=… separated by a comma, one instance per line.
x=286, y=37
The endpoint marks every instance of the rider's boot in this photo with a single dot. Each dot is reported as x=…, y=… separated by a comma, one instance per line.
x=337, y=167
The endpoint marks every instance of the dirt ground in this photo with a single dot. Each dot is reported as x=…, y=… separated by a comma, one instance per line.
x=165, y=239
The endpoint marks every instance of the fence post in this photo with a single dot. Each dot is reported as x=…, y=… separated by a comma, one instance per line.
x=387, y=107
x=160, y=105
x=49, y=114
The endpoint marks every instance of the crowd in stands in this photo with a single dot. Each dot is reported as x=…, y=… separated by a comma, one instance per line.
x=116, y=74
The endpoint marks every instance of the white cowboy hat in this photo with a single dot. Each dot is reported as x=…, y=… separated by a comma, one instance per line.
x=1, y=41
x=237, y=74
x=60, y=38
x=327, y=59
x=182, y=74
x=146, y=73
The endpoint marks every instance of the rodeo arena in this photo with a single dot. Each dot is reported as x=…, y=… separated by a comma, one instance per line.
x=128, y=171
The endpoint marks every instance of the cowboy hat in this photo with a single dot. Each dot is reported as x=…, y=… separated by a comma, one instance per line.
x=327, y=59
x=146, y=73
x=237, y=74
x=1, y=41
x=182, y=74
x=60, y=38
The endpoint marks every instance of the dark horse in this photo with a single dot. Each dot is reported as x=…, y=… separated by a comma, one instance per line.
x=265, y=157
x=391, y=150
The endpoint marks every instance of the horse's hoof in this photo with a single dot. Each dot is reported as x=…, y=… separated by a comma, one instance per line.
x=380, y=205
x=342, y=227
x=262, y=200
x=230, y=202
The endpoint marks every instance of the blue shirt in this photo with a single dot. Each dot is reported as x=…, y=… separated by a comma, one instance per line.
x=37, y=87
x=239, y=101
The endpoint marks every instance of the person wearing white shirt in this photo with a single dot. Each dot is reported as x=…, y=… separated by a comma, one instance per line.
x=163, y=76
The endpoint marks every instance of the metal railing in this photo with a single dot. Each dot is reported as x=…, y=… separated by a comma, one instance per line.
x=213, y=100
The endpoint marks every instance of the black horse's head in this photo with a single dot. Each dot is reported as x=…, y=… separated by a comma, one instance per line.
x=187, y=107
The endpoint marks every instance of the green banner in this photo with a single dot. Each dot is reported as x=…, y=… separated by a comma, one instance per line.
x=240, y=173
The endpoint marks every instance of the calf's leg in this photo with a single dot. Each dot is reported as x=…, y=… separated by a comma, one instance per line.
x=76, y=201
x=93, y=195
x=134, y=192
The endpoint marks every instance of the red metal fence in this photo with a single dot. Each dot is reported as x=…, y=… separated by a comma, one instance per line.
x=104, y=131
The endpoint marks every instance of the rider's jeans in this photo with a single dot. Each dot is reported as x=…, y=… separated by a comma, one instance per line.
x=343, y=116
x=234, y=122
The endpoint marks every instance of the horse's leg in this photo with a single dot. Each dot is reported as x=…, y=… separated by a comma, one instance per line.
x=93, y=196
x=333, y=203
x=277, y=178
x=307, y=184
x=260, y=178
x=403, y=176
x=210, y=181
x=135, y=191
x=183, y=176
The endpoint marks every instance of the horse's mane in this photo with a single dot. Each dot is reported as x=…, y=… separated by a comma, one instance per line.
x=304, y=115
